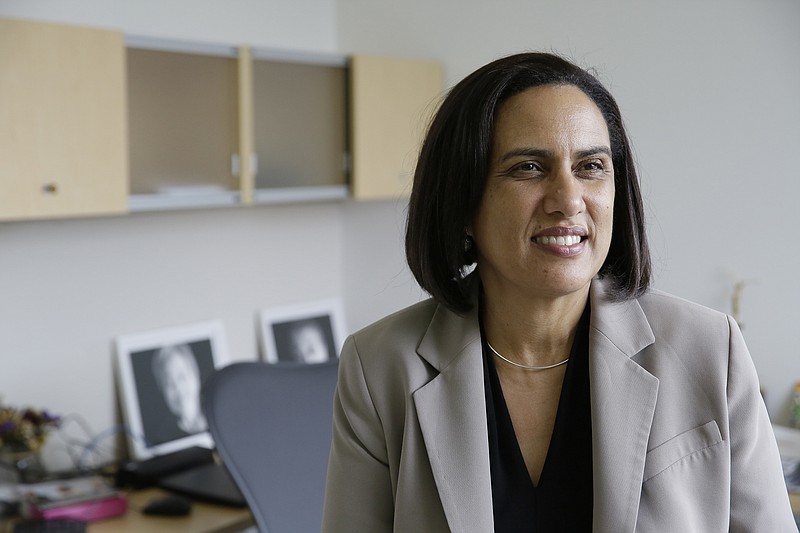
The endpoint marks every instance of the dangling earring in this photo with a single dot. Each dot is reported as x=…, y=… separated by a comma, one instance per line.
x=468, y=243
x=470, y=258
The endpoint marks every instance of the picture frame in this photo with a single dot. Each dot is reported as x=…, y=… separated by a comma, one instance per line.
x=159, y=377
x=302, y=333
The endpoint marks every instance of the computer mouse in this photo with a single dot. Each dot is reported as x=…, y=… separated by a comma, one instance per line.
x=169, y=505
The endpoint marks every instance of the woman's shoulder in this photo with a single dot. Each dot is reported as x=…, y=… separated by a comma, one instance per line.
x=681, y=322
x=385, y=352
x=661, y=309
x=408, y=320
x=393, y=338
x=670, y=305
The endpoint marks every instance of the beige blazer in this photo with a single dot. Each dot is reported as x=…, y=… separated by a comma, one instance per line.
x=681, y=440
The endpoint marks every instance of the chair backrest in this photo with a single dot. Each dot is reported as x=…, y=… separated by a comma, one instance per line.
x=271, y=424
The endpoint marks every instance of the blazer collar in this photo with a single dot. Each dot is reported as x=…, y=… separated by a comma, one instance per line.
x=452, y=413
x=623, y=403
x=623, y=323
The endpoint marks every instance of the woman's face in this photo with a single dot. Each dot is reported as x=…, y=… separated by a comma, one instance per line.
x=310, y=345
x=181, y=387
x=543, y=227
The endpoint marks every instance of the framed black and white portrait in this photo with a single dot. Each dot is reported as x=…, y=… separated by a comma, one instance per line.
x=311, y=332
x=159, y=377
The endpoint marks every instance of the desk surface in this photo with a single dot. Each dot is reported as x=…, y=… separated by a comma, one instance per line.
x=204, y=518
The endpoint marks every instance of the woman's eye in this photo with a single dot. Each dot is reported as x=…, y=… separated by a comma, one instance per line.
x=527, y=166
x=593, y=168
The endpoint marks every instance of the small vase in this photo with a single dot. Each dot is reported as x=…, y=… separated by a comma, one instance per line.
x=20, y=466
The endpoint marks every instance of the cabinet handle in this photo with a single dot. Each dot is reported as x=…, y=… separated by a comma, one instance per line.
x=254, y=164
x=236, y=164
x=50, y=188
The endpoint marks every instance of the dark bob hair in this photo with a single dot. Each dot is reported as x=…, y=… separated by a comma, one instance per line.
x=454, y=163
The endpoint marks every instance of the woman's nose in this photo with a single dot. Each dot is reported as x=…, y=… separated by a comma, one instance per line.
x=564, y=194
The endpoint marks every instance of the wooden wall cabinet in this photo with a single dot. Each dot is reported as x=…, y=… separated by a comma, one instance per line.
x=231, y=126
x=227, y=126
x=92, y=123
x=63, y=131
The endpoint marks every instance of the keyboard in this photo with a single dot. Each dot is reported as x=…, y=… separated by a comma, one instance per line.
x=50, y=526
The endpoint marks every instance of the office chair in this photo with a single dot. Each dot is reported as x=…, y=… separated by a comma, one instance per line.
x=272, y=427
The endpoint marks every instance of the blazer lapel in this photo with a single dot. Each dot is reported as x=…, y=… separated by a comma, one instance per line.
x=623, y=402
x=452, y=416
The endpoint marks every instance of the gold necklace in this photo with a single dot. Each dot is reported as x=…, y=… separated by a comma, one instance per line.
x=526, y=367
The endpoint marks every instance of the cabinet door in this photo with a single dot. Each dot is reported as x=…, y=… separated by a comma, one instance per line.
x=300, y=132
x=391, y=102
x=63, y=145
x=299, y=124
x=182, y=105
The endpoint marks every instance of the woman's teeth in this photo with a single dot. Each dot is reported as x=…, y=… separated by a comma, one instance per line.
x=565, y=240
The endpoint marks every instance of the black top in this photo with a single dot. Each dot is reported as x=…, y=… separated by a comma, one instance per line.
x=562, y=501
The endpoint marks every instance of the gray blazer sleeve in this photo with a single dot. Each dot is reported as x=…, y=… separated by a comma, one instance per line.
x=358, y=494
x=759, y=499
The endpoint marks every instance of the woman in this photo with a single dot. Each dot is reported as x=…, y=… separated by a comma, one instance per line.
x=178, y=378
x=549, y=389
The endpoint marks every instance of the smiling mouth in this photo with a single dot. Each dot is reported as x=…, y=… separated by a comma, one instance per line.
x=560, y=240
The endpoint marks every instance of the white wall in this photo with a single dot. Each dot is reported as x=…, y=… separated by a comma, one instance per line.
x=69, y=287
x=377, y=280
x=297, y=25
x=710, y=94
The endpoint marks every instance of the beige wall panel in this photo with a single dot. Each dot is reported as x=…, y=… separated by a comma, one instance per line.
x=392, y=101
x=63, y=133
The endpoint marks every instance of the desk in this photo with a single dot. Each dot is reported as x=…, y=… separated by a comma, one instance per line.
x=204, y=518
